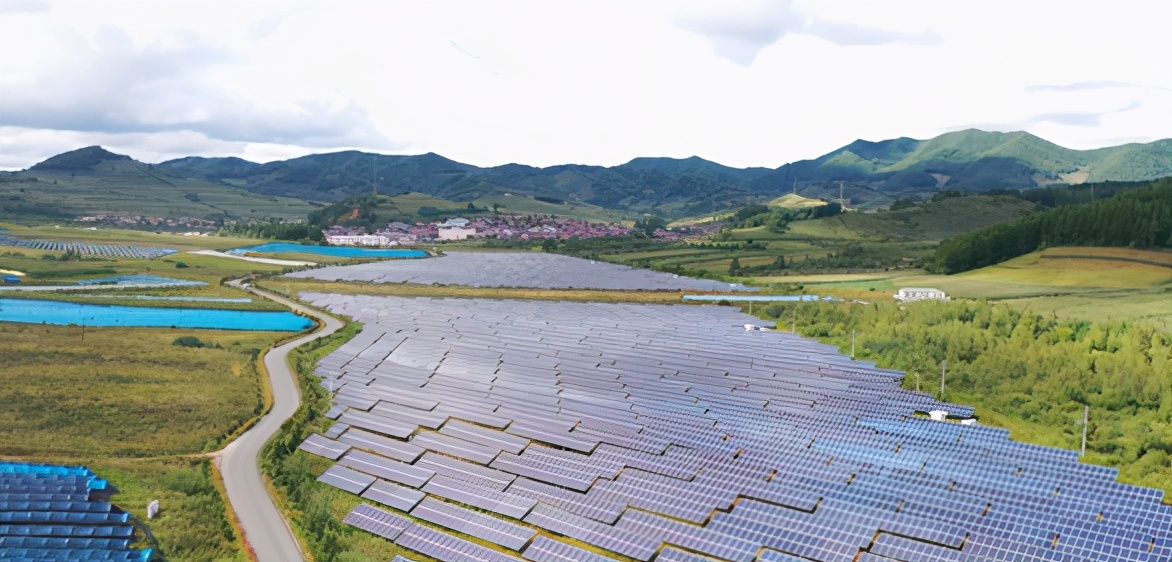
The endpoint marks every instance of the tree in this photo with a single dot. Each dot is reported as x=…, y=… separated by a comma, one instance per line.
x=734, y=267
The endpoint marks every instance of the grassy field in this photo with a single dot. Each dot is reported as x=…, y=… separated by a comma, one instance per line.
x=139, y=410
x=1095, y=284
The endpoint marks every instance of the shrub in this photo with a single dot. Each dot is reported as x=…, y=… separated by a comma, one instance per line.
x=188, y=341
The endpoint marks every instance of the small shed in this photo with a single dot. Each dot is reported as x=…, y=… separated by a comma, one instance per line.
x=909, y=294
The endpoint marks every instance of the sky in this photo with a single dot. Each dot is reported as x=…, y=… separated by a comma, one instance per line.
x=743, y=83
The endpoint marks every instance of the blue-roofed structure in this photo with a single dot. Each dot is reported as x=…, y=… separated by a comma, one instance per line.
x=55, y=513
x=660, y=433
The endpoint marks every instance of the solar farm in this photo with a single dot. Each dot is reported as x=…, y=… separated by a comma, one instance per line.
x=87, y=249
x=54, y=513
x=532, y=270
x=553, y=431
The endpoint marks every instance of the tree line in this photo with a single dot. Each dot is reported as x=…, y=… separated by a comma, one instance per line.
x=1137, y=218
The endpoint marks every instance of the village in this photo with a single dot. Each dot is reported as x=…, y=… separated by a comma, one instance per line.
x=503, y=227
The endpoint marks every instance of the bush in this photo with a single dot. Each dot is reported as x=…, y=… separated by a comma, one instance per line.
x=188, y=341
x=181, y=265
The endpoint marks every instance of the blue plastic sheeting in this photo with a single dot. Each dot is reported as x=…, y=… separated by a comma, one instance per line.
x=332, y=251
x=49, y=469
x=758, y=298
x=142, y=279
x=68, y=531
x=62, y=313
x=180, y=299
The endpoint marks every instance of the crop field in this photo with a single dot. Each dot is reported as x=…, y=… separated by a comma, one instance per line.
x=138, y=409
x=135, y=237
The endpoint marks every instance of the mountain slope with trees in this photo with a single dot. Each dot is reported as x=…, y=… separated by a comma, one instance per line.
x=1139, y=218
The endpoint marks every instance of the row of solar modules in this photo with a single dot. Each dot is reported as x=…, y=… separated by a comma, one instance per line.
x=57, y=513
x=844, y=450
x=87, y=249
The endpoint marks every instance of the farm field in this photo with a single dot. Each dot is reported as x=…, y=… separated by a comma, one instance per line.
x=1096, y=284
x=139, y=410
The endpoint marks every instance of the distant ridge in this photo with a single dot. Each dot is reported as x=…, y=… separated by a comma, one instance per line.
x=868, y=174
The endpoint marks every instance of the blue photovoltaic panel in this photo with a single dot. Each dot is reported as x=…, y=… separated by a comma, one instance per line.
x=59, y=513
x=339, y=476
x=673, y=432
x=377, y=521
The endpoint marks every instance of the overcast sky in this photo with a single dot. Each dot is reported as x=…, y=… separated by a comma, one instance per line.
x=542, y=83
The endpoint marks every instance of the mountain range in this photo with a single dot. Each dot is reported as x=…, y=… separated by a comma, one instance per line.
x=869, y=174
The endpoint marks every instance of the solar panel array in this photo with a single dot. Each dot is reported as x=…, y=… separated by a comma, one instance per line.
x=672, y=433
x=54, y=513
x=87, y=249
x=516, y=269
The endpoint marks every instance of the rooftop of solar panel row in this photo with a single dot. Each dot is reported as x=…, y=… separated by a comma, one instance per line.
x=669, y=431
x=516, y=269
x=51, y=512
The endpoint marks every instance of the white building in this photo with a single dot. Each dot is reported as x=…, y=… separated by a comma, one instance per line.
x=455, y=233
x=359, y=240
x=910, y=294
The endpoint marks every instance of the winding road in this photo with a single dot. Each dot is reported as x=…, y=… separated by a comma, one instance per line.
x=265, y=529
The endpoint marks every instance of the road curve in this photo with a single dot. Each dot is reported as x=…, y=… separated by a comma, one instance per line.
x=265, y=529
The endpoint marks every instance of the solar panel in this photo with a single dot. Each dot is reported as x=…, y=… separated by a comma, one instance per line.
x=669, y=431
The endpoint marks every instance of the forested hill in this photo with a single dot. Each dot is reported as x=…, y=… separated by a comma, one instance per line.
x=1140, y=218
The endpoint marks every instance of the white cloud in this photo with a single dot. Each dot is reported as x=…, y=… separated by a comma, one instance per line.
x=741, y=83
x=740, y=29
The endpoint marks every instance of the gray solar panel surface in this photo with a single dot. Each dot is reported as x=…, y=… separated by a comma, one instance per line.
x=671, y=431
x=515, y=269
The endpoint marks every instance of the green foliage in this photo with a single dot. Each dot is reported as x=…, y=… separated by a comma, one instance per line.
x=1140, y=218
x=277, y=229
x=1030, y=368
x=188, y=341
x=647, y=225
x=181, y=265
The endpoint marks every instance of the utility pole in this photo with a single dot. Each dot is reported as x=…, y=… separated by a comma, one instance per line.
x=795, y=186
x=840, y=199
x=943, y=369
x=793, y=327
x=374, y=176
x=917, y=381
x=1086, y=419
x=852, y=344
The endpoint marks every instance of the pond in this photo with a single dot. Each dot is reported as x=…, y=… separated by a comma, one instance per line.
x=61, y=313
x=332, y=251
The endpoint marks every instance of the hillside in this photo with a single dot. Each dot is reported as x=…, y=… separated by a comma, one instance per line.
x=1138, y=218
x=869, y=175
x=971, y=160
x=93, y=180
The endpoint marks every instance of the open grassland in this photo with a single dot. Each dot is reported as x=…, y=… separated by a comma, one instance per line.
x=1095, y=284
x=140, y=411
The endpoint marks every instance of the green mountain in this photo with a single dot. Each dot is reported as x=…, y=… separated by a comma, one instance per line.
x=866, y=174
x=971, y=160
x=93, y=180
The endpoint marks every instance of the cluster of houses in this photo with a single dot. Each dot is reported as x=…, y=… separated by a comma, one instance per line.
x=144, y=220
x=505, y=227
